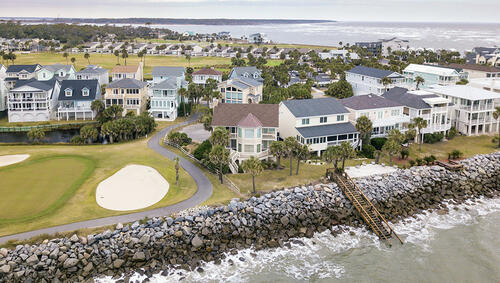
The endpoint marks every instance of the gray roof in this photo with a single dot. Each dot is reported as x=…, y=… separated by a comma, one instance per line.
x=315, y=107
x=19, y=68
x=127, y=83
x=327, y=130
x=240, y=71
x=372, y=72
x=250, y=81
x=42, y=85
x=369, y=101
x=56, y=67
x=168, y=71
x=92, y=70
x=239, y=84
x=77, y=86
x=401, y=95
x=170, y=83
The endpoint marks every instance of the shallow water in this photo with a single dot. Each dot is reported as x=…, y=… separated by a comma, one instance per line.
x=461, y=246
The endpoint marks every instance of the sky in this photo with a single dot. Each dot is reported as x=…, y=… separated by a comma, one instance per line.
x=342, y=10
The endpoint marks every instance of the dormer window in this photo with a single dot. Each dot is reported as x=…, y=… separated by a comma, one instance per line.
x=68, y=92
x=85, y=92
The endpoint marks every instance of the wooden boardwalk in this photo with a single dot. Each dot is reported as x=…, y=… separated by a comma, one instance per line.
x=375, y=221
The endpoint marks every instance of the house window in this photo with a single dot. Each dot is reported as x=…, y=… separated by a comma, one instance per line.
x=380, y=114
x=323, y=119
x=239, y=133
x=248, y=147
x=68, y=92
x=239, y=147
x=395, y=112
x=85, y=92
x=258, y=148
x=249, y=133
x=305, y=121
x=259, y=132
x=340, y=118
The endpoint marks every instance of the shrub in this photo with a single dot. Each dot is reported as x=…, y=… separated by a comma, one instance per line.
x=35, y=135
x=453, y=132
x=202, y=151
x=180, y=139
x=368, y=151
x=433, y=138
x=77, y=139
x=411, y=162
x=419, y=161
x=269, y=165
x=405, y=153
x=428, y=160
x=378, y=143
x=455, y=154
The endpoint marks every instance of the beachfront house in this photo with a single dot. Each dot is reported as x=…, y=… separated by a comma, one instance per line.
x=472, y=111
x=384, y=114
x=164, y=94
x=319, y=123
x=59, y=71
x=200, y=77
x=33, y=100
x=127, y=72
x=432, y=75
x=474, y=71
x=424, y=104
x=94, y=72
x=129, y=93
x=241, y=91
x=252, y=128
x=367, y=80
x=393, y=44
x=16, y=73
x=75, y=99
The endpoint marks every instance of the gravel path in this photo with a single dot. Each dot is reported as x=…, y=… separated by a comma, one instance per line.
x=203, y=193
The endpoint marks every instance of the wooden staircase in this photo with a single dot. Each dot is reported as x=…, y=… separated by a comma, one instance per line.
x=369, y=213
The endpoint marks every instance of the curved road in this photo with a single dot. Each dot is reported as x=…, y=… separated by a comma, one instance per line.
x=203, y=193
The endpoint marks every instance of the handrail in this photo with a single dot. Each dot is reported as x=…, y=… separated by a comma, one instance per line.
x=376, y=210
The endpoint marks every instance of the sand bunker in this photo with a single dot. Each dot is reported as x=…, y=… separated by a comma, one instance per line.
x=132, y=187
x=11, y=159
x=368, y=170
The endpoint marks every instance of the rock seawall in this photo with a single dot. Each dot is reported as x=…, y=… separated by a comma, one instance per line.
x=264, y=222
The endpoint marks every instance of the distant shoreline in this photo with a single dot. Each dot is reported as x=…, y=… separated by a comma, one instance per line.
x=166, y=21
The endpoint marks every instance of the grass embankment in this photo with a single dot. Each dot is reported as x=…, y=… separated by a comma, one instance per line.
x=4, y=122
x=81, y=204
x=108, y=61
x=469, y=146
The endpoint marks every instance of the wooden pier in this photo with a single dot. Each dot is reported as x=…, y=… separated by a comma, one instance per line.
x=375, y=221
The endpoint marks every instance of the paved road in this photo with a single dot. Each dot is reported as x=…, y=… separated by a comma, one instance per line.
x=203, y=193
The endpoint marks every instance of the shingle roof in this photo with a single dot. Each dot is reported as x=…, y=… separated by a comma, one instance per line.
x=369, y=101
x=240, y=71
x=475, y=67
x=170, y=83
x=93, y=70
x=127, y=83
x=229, y=115
x=401, y=95
x=371, y=72
x=19, y=68
x=124, y=69
x=327, y=130
x=56, y=67
x=250, y=121
x=208, y=71
x=77, y=86
x=43, y=85
x=168, y=71
x=315, y=107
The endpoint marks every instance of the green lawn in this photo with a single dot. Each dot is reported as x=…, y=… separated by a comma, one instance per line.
x=32, y=182
x=80, y=204
x=108, y=61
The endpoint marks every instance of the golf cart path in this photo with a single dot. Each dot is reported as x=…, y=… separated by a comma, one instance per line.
x=203, y=192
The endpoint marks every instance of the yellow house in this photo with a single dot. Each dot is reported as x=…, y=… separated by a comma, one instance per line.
x=131, y=94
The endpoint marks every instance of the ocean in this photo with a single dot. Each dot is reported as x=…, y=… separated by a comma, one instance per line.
x=459, y=36
x=461, y=246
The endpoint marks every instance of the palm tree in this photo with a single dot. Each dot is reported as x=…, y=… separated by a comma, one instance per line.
x=332, y=155
x=98, y=107
x=140, y=55
x=117, y=54
x=2, y=53
x=220, y=136
x=125, y=55
x=365, y=127
x=89, y=133
x=87, y=56
x=188, y=57
x=73, y=60
x=277, y=148
x=176, y=166
x=396, y=135
x=12, y=57
x=419, y=80
x=219, y=156
x=496, y=116
x=183, y=92
x=420, y=124
x=252, y=166
x=392, y=147
x=302, y=152
x=346, y=152
x=410, y=134
x=290, y=147
x=386, y=81
x=66, y=55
